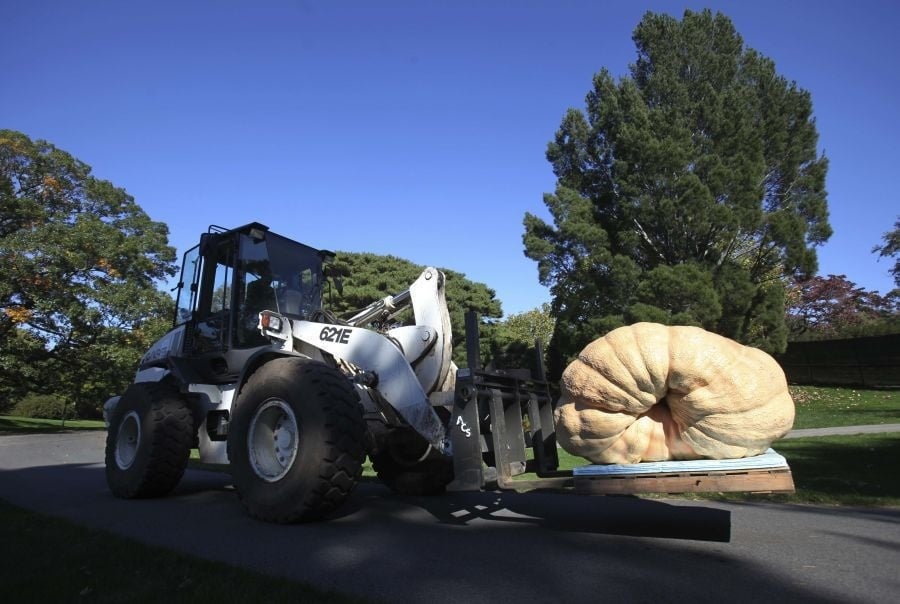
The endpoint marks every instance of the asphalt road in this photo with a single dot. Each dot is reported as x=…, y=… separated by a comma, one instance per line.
x=487, y=547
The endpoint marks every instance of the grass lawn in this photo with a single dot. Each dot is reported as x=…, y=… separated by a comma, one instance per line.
x=845, y=470
x=11, y=423
x=819, y=407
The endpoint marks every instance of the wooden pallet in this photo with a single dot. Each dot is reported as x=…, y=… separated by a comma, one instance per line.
x=749, y=481
x=766, y=473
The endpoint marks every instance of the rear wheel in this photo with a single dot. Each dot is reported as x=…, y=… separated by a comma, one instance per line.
x=149, y=441
x=295, y=441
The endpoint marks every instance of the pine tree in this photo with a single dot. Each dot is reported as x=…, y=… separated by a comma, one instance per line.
x=687, y=192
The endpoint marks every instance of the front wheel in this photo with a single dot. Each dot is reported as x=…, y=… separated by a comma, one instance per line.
x=149, y=441
x=295, y=441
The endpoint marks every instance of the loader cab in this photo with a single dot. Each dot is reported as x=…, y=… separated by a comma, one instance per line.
x=227, y=280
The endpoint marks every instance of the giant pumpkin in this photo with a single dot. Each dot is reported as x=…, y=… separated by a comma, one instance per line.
x=648, y=392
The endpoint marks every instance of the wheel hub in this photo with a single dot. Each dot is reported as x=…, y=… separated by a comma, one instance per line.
x=273, y=440
x=128, y=439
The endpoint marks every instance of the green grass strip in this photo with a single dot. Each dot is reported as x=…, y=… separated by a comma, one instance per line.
x=11, y=423
x=826, y=407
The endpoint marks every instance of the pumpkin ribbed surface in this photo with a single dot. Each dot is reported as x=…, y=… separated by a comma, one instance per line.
x=649, y=392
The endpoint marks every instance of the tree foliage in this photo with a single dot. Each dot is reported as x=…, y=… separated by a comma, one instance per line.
x=890, y=248
x=530, y=326
x=511, y=343
x=834, y=307
x=370, y=277
x=686, y=192
x=78, y=300
x=46, y=406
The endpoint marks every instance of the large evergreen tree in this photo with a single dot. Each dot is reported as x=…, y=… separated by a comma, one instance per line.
x=686, y=193
x=369, y=277
x=78, y=296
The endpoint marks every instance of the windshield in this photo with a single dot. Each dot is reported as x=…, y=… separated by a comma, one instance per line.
x=280, y=275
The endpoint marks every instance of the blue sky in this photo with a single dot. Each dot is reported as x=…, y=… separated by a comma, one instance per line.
x=416, y=129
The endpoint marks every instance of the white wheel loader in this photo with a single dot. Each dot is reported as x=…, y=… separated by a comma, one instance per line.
x=255, y=374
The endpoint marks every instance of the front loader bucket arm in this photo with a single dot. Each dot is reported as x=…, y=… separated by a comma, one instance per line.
x=429, y=305
x=394, y=377
x=427, y=345
x=405, y=364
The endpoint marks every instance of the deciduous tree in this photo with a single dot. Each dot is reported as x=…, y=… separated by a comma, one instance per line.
x=833, y=307
x=81, y=259
x=512, y=341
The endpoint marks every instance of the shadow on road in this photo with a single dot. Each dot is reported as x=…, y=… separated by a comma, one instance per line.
x=610, y=515
x=461, y=547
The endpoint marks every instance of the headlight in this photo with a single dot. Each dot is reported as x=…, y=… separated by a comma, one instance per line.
x=270, y=322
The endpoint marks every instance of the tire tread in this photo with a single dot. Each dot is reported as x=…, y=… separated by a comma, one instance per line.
x=171, y=435
x=342, y=455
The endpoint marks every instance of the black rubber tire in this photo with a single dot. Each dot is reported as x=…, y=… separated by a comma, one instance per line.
x=429, y=477
x=149, y=441
x=329, y=442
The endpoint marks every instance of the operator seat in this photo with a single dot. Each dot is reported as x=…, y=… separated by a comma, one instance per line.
x=292, y=302
x=260, y=296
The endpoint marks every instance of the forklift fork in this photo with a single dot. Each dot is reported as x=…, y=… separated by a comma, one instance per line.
x=502, y=426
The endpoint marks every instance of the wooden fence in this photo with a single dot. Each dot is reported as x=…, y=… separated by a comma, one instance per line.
x=869, y=362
